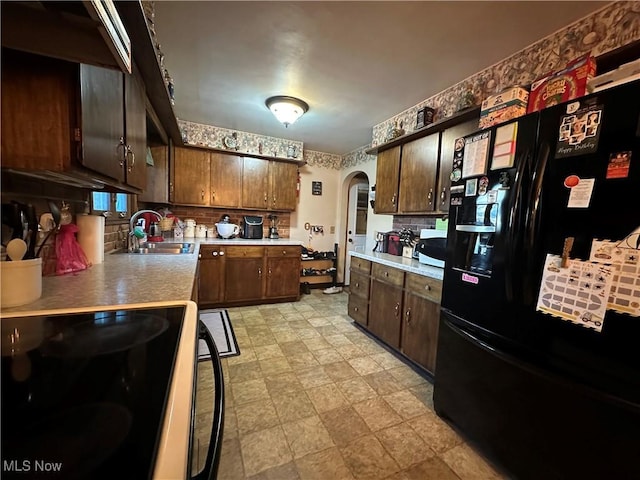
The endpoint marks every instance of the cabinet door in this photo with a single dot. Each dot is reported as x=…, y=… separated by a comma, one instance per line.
x=102, y=103
x=212, y=281
x=385, y=312
x=420, y=330
x=243, y=279
x=284, y=177
x=190, y=176
x=226, y=180
x=157, y=188
x=135, y=132
x=387, y=178
x=418, y=175
x=283, y=271
x=255, y=183
x=38, y=111
x=446, y=160
x=283, y=277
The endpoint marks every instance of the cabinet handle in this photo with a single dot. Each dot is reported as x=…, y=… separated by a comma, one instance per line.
x=357, y=285
x=124, y=151
x=427, y=287
x=269, y=271
x=274, y=200
x=408, y=316
x=386, y=274
x=259, y=272
x=355, y=309
x=202, y=194
x=221, y=254
x=430, y=196
x=393, y=199
x=171, y=187
x=265, y=198
x=284, y=252
x=133, y=158
x=443, y=195
x=397, y=309
x=213, y=195
x=215, y=254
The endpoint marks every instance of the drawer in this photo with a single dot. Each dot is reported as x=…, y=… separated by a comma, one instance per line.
x=387, y=274
x=359, y=284
x=284, y=251
x=358, y=308
x=211, y=252
x=361, y=265
x=427, y=287
x=248, y=251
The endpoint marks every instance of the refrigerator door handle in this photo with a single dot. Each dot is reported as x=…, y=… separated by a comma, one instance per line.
x=547, y=374
x=511, y=225
x=531, y=220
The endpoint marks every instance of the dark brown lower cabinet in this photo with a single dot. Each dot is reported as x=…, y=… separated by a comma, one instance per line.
x=248, y=275
x=283, y=272
x=420, y=330
x=385, y=312
x=211, y=274
x=401, y=309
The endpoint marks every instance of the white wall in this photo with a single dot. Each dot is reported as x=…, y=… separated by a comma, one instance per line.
x=375, y=223
x=316, y=209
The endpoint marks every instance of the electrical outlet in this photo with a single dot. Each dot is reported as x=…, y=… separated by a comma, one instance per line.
x=332, y=229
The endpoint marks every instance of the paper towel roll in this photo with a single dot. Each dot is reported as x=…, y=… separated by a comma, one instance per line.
x=91, y=237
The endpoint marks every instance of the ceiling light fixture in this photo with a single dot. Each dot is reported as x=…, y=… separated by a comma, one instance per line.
x=286, y=109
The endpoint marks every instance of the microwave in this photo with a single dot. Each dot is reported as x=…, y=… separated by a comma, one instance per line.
x=432, y=247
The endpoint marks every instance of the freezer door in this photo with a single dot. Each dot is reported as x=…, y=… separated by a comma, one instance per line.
x=527, y=418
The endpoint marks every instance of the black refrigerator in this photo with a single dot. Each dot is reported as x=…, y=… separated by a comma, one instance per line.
x=538, y=361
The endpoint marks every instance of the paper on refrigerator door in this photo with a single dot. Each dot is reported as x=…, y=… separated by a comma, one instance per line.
x=577, y=293
x=624, y=259
x=504, y=149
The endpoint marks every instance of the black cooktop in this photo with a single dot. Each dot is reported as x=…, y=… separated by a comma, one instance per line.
x=83, y=395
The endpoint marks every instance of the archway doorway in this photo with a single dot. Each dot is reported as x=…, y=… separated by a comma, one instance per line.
x=357, y=211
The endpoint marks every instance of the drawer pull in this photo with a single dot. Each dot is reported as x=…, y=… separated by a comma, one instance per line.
x=386, y=274
x=427, y=287
x=284, y=252
x=357, y=285
x=221, y=253
x=215, y=254
x=355, y=309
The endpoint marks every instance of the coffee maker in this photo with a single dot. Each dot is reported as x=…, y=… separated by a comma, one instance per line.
x=252, y=227
x=273, y=227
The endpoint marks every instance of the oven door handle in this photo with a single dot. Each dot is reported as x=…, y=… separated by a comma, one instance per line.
x=210, y=470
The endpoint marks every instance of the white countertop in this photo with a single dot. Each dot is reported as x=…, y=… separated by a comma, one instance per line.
x=402, y=263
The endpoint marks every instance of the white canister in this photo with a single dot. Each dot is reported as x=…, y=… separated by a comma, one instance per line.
x=189, y=231
x=190, y=222
x=201, y=231
x=211, y=232
x=21, y=282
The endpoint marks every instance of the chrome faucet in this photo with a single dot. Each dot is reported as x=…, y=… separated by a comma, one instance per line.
x=134, y=242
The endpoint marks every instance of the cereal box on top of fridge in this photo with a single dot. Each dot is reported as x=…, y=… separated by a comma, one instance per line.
x=564, y=85
x=509, y=95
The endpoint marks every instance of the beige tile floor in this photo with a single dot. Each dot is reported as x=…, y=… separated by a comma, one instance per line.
x=313, y=397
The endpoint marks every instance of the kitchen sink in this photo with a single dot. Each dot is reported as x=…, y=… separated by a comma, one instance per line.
x=166, y=248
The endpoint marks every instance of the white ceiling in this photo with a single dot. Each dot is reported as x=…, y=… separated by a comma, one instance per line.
x=355, y=63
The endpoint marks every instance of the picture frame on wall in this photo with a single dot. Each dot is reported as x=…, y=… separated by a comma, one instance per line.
x=316, y=188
